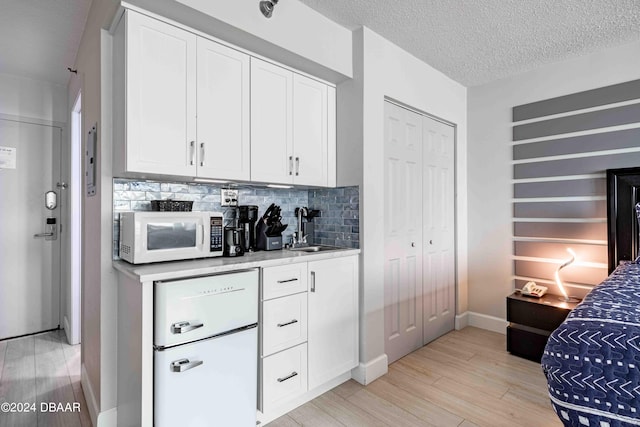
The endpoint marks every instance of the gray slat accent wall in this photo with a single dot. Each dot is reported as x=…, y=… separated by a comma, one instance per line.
x=577, y=101
x=560, y=155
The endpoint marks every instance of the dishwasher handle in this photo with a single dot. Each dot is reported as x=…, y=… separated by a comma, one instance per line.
x=182, y=365
x=182, y=327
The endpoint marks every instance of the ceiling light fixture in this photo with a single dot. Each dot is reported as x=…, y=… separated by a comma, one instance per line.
x=266, y=7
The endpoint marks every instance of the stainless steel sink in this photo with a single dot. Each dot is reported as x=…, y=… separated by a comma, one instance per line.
x=314, y=248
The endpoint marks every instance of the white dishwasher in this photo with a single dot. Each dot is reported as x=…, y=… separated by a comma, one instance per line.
x=206, y=350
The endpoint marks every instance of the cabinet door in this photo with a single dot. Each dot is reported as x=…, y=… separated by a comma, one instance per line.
x=271, y=125
x=161, y=97
x=333, y=318
x=223, y=112
x=310, y=140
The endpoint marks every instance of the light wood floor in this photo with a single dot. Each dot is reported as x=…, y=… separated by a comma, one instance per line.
x=41, y=368
x=465, y=378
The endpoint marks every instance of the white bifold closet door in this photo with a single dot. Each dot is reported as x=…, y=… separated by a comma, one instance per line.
x=419, y=231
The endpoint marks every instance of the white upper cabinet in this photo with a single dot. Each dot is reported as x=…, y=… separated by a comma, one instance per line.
x=186, y=102
x=291, y=123
x=271, y=123
x=187, y=106
x=223, y=112
x=160, y=81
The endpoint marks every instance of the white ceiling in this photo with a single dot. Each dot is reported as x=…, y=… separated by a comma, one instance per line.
x=476, y=41
x=39, y=39
x=472, y=41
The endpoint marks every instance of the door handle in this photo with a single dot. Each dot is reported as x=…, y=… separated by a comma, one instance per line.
x=184, y=365
x=202, y=154
x=288, y=280
x=290, y=165
x=43, y=235
x=51, y=230
x=297, y=166
x=192, y=146
x=291, y=322
x=313, y=281
x=288, y=377
x=182, y=327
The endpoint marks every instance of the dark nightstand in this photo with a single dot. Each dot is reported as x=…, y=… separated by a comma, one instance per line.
x=531, y=321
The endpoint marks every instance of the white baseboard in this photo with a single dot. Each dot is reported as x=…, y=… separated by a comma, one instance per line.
x=462, y=320
x=482, y=321
x=366, y=373
x=89, y=396
x=67, y=329
x=108, y=418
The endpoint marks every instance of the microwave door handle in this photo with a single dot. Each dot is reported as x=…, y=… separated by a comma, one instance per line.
x=202, y=234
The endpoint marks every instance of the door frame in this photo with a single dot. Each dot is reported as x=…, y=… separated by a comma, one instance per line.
x=72, y=250
x=455, y=188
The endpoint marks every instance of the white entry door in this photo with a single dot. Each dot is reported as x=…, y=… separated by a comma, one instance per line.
x=403, y=231
x=419, y=282
x=29, y=256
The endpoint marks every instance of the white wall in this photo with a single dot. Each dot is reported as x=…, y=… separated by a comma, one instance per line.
x=490, y=167
x=388, y=71
x=27, y=98
x=98, y=287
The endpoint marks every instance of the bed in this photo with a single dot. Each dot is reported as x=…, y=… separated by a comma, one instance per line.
x=592, y=361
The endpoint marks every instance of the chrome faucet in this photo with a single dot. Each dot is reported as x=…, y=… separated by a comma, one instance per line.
x=298, y=240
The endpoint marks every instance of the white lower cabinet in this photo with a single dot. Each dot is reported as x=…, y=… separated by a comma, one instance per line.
x=309, y=336
x=284, y=376
x=284, y=323
x=333, y=318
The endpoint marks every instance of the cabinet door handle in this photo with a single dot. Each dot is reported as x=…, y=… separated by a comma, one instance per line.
x=288, y=377
x=291, y=322
x=297, y=166
x=313, y=281
x=202, y=154
x=288, y=280
x=182, y=327
x=184, y=365
x=290, y=165
x=192, y=150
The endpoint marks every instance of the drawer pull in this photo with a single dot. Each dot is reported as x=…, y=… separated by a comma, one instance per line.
x=182, y=327
x=288, y=280
x=280, y=325
x=288, y=377
x=184, y=365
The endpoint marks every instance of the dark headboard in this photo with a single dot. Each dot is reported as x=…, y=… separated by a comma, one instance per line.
x=623, y=192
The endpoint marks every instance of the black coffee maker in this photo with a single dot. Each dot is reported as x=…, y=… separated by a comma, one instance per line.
x=247, y=217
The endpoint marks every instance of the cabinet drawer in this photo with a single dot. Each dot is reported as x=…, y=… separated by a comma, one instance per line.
x=284, y=377
x=284, y=280
x=284, y=323
x=535, y=314
x=525, y=343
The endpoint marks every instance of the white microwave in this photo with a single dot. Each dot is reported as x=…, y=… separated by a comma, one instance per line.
x=170, y=236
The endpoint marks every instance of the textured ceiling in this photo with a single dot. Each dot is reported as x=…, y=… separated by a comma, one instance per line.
x=476, y=41
x=39, y=39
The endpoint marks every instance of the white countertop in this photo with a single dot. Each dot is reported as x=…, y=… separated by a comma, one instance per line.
x=179, y=269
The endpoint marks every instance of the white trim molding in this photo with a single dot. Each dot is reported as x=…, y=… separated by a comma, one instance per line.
x=107, y=418
x=482, y=321
x=366, y=373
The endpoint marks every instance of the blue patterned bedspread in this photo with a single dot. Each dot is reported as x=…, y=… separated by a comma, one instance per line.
x=592, y=361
